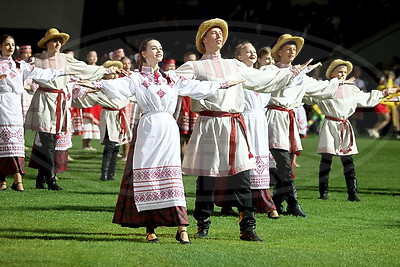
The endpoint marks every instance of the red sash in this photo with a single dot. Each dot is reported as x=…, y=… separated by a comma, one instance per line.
x=292, y=140
x=122, y=119
x=343, y=124
x=232, y=138
x=59, y=102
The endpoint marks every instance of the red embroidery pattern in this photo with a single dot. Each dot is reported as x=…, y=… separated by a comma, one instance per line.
x=7, y=135
x=161, y=93
x=261, y=165
x=163, y=194
x=159, y=173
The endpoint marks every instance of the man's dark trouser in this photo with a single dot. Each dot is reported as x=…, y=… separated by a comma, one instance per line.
x=238, y=195
x=45, y=157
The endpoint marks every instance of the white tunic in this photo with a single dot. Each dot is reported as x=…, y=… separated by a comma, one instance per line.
x=290, y=98
x=112, y=118
x=157, y=174
x=207, y=153
x=337, y=137
x=11, y=88
x=42, y=116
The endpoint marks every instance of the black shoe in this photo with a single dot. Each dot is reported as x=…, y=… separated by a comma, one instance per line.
x=324, y=196
x=52, y=185
x=178, y=238
x=250, y=235
x=228, y=211
x=295, y=211
x=15, y=188
x=202, y=229
x=353, y=197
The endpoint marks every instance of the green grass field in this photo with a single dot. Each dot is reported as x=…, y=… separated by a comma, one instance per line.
x=73, y=227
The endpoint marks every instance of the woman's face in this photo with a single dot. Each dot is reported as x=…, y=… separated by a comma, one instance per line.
x=339, y=72
x=154, y=53
x=7, y=48
x=248, y=55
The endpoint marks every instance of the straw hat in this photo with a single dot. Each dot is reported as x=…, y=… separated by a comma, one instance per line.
x=110, y=63
x=51, y=34
x=299, y=41
x=209, y=24
x=336, y=63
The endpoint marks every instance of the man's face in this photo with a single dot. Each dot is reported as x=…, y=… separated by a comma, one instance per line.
x=287, y=53
x=213, y=39
x=54, y=45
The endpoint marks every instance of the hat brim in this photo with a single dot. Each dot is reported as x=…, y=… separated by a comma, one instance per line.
x=299, y=41
x=336, y=63
x=207, y=25
x=64, y=37
x=110, y=63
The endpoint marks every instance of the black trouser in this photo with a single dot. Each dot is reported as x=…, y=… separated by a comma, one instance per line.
x=109, y=161
x=238, y=195
x=283, y=171
x=45, y=155
x=326, y=164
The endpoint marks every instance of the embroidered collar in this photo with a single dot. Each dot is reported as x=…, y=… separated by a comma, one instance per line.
x=6, y=58
x=211, y=56
x=147, y=70
x=283, y=65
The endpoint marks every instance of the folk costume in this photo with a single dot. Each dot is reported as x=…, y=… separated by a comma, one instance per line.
x=152, y=192
x=283, y=132
x=114, y=129
x=218, y=146
x=12, y=145
x=337, y=137
x=48, y=114
x=257, y=127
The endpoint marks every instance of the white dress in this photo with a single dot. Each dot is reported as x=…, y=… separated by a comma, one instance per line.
x=11, y=88
x=157, y=174
x=257, y=127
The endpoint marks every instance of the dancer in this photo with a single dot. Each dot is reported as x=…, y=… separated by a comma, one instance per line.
x=48, y=114
x=284, y=138
x=337, y=137
x=256, y=124
x=152, y=192
x=218, y=146
x=13, y=74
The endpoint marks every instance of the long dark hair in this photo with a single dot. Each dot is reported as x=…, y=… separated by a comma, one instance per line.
x=142, y=60
x=2, y=39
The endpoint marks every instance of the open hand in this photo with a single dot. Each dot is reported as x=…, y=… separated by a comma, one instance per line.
x=122, y=72
x=350, y=81
x=233, y=83
x=311, y=67
x=393, y=99
x=393, y=90
x=302, y=67
x=87, y=84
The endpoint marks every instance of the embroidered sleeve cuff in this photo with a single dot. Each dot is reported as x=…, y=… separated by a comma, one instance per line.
x=223, y=85
x=295, y=71
x=97, y=85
